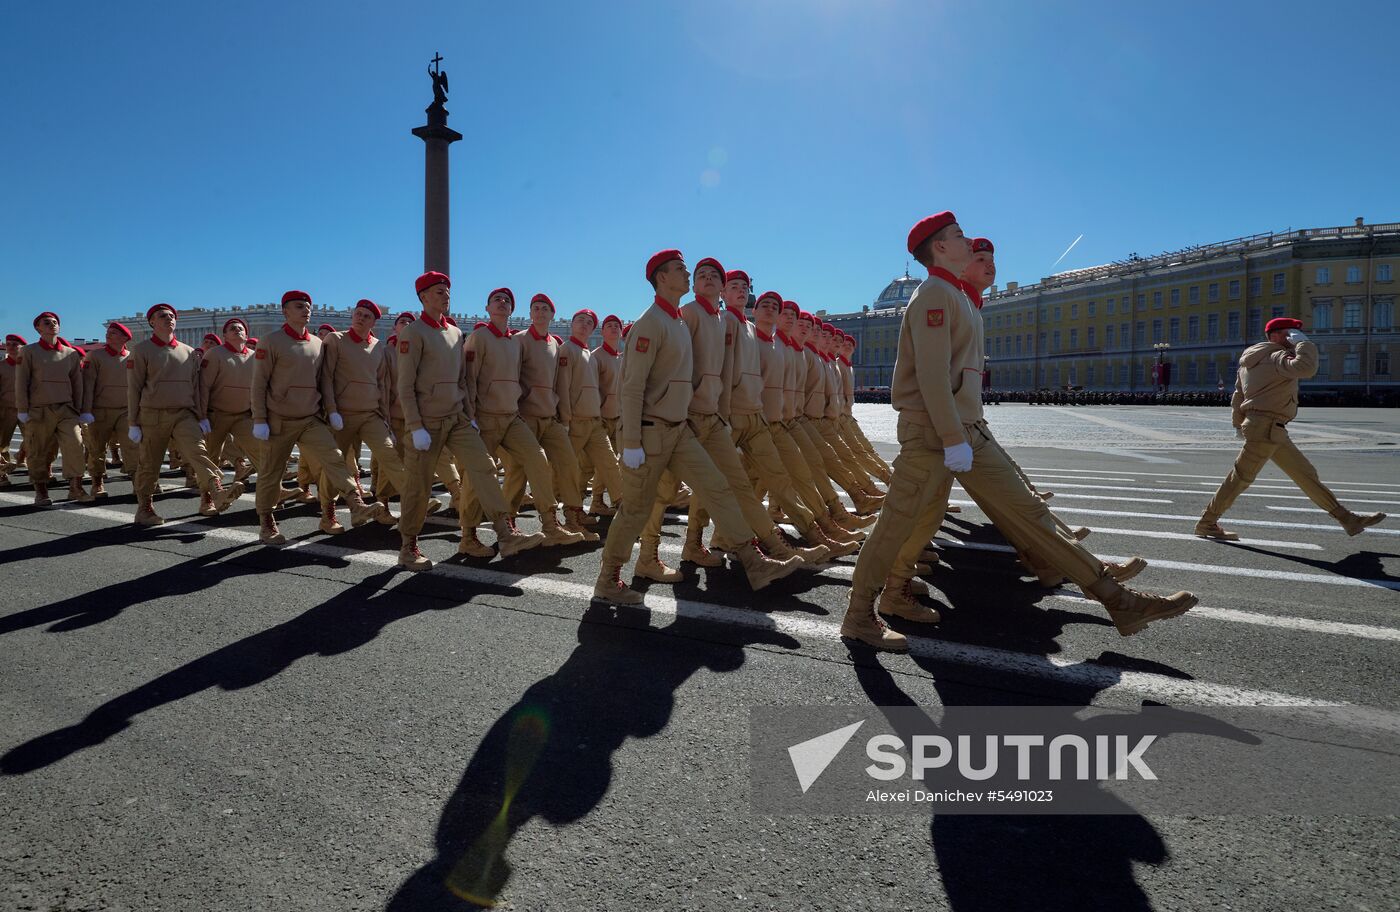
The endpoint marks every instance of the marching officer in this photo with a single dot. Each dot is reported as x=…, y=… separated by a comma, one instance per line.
x=1264, y=401
x=104, y=407
x=48, y=395
x=163, y=402
x=286, y=400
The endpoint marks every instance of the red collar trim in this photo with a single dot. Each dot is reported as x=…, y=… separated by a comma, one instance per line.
x=782, y=337
x=237, y=351
x=578, y=343
x=666, y=307
x=356, y=339
x=763, y=336
x=534, y=334
x=305, y=333
x=496, y=332
x=945, y=275
x=57, y=346
x=171, y=344
x=608, y=348
x=742, y=317
x=10, y=361
x=973, y=294
x=430, y=321
x=115, y=354
x=843, y=360
x=812, y=348
x=704, y=302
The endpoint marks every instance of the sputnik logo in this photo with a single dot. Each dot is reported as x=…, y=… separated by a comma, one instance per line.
x=811, y=758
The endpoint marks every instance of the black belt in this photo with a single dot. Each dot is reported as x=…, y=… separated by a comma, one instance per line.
x=647, y=422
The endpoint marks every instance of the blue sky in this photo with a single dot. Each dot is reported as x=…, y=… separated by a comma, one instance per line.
x=212, y=155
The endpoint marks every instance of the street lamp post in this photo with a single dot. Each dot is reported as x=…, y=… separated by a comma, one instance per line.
x=1163, y=381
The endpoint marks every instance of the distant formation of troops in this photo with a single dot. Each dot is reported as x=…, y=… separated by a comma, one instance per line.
x=743, y=415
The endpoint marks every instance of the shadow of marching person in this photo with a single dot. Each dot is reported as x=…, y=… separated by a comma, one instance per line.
x=551, y=754
x=1365, y=566
x=348, y=620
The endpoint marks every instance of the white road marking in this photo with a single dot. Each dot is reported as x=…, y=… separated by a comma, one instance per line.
x=1056, y=485
x=1325, y=527
x=1214, y=479
x=1135, y=430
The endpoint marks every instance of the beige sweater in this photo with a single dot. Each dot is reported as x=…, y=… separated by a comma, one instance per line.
x=938, y=365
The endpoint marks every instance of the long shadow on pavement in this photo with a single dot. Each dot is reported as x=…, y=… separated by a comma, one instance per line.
x=550, y=755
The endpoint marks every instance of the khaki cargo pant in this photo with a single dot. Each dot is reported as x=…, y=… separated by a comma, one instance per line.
x=455, y=435
x=177, y=427
x=754, y=438
x=384, y=489
x=237, y=426
x=9, y=420
x=553, y=438
x=821, y=458
x=673, y=447
x=855, y=441
x=814, y=489
x=592, y=446
x=1266, y=438
x=513, y=437
x=312, y=436
x=599, y=483
x=367, y=428
x=853, y=465
x=717, y=440
x=109, y=426
x=52, y=426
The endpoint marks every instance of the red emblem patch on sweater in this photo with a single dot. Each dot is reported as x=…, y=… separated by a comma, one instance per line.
x=729, y=338
x=261, y=355
x=643, y=344
x=935, y=317
x=563, y=360
x=403, y=348
x=471, y=355
x=130, y=365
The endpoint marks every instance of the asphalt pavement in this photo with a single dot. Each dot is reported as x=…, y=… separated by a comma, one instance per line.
x=192, y=720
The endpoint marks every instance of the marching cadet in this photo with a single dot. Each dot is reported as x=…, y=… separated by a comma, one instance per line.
x=772, y=367
x=324, y=330
x=226, y=383
x=794, y=382
x=210, y=341
x=581, y=409
x=355, y=387
x=846, y=424
x=48, y=394
x=657, y=388
x=1264, y=401
x=823, y=344
x=543, y=385
x=942, y=434
x=708, y=424
x=495, y=383
x=9, y=415
x=286, y=400
x=434, y=389
x=606, y=357
x=163, y=402
x=742, y=405
x=105, y=408
x=446, y=471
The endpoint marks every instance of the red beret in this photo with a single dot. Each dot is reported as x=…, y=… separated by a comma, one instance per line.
x=848, y=337
x=773, y=295
x=626, y=329
x=120, y=327
x=612, y=318
x=927, y=227
x=792, y=306
x=541, y=296
x=587, y=313
x=291, y=296
x=661, y=259
x=407, y=313
x=505, y=291
x=1282, y=323
x=325, y=326
x=252, y=340
x=152, y=312
x=370, y=306
x=733, y=274
x=47, y=313
x=828, y=327
x=211, y=337
x=804, y=315
x=429, y=279
x=19, y=340
x=982, y=245
x=711, y=261
x=232, y=320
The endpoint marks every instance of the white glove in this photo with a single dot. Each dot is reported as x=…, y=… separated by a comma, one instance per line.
x=1296, y=335
x=474, y=427
x=422, y=440
x=204, y=426
x=261, y=431
x=133, y=433
x=86, y=418
x=958, y=458
x=23, y=418
x=633, y=459
x=337, y=422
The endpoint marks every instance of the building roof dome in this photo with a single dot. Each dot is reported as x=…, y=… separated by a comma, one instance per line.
x=897, y=293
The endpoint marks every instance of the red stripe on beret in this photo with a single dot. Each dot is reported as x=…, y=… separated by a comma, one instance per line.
x=659, y=259
x=429, y=279
x=370, y=306
x=926, y=228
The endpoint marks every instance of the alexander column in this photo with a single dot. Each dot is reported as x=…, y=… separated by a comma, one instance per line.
x=436, y=136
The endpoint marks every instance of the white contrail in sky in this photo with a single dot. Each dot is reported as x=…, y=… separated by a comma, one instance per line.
x=1067, y=250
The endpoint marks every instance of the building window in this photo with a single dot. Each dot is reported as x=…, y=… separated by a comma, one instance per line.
x=1156, y=300
x=1232, y=326
x=1324, y=366
x=1018, y=319
x=1043, y=311
x=1140, y=333
x=1351, y=364
x=1192, y=372
x=1108, y=306
x=1156, y=330
x=1212, y=372
x=1382, y=313
x=1093, y=306
x=1213, y=291
x=1212, y=327
x=1383, y=272
x=1234, y=289
x=1142, y=301
x=1324, y=276
x=1193, y=295
x=1280, y=282
x=1351, y=314
x=1322, y=315
x=1073, y=339
x=1382, y=364
x=1074, y=311
x=1057, y=313
x=996, y=345
x=1256, y=286
x=1175, y=330
x=1353, y=275
x=1018, y=345
x=1276, y=311
x=1089, y=375
x=1107, y=335
x=1041, y=342
x=1193, y=329
x=1089, y=337
x=1123, y=335
x=1256, y=323
x=1055, y=341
